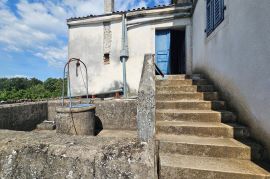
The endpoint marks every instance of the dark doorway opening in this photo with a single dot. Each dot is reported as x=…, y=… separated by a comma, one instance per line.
x=177, y=51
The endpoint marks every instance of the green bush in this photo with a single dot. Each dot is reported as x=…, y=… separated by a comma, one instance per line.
x=23, y=88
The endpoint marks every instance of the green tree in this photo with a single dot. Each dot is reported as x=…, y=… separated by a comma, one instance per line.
x=23, y=88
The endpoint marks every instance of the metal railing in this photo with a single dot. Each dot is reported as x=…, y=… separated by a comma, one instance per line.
x=158, y=70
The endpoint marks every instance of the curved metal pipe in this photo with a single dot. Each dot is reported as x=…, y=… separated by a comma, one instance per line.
x=68, y=79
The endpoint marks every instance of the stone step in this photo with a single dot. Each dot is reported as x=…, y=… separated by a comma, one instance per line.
x=258, y=151
x=194, y=115
x=180, y=77
x=173, y=77
x=210, y=96
x=165, y=82
x=46, y=125
x=203, y=146
x=202, y=129
x=180, y=96
x=205, y=88
x=174, y=89
x=200, y=81
x=191, y=105
x=179, y=82
x=175, y=166
x=185, y=88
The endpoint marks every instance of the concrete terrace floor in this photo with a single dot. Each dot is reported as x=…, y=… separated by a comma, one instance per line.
x=46, y=154
x=103, y=133
x=118, y=133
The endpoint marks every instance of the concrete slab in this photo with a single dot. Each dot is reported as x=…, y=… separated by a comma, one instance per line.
x=49, y=155
x=118, y=133
x=203, y=146
x=186, y=167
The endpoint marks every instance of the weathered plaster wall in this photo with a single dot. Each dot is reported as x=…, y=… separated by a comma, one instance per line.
x=49, y=155
x=86, y=42
x=236, y=58
x=22, y=116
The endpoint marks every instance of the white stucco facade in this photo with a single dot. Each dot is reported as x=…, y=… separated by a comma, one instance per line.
x=86, y=42
x=236, y=57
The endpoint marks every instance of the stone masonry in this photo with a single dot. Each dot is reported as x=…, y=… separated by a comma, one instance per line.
x=23, y=116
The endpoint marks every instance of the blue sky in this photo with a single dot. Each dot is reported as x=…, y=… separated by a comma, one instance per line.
x=33, y=33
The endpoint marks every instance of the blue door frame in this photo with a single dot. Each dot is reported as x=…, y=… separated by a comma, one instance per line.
x=163, y=40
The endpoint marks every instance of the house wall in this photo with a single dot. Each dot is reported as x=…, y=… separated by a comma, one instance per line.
x=86, y=43
x=236, y=58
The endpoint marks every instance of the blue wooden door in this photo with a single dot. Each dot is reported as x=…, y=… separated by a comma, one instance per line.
x=163, y=38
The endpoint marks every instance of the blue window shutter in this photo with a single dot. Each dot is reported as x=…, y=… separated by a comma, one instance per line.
x=209, y=16
x=218, y=12
x=214, y=14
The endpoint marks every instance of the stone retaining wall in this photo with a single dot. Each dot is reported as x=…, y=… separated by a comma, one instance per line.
x=23, y=116
x=110, y=114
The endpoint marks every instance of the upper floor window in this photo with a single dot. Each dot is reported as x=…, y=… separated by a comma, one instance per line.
x=214, y=14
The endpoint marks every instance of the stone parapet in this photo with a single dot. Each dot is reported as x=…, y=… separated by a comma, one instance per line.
x=146, y=100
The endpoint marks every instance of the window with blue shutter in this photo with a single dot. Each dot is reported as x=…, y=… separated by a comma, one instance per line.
x=214, y=14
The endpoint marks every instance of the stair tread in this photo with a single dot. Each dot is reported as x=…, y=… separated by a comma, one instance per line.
x=170, y=78
x=188, y=139
x=188, y=100
x=192, y=124
x=195, y=92
x=190, y=111
x=177, y=86
x=211, y=164
x=164, y=79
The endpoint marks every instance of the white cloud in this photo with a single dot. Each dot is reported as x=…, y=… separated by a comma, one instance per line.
x=54, y=56
x=39, y=26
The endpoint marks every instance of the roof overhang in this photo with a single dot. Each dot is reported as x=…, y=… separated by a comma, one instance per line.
x=116, y=16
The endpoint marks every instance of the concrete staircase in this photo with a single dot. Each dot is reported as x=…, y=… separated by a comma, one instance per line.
x=196, y=135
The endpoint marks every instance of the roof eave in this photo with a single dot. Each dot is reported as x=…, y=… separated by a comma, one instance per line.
x=130, y=14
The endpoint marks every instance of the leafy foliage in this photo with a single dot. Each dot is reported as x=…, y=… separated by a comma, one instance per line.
x=23, y=88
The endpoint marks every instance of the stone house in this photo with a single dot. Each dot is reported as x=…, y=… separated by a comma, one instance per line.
x=226, y=40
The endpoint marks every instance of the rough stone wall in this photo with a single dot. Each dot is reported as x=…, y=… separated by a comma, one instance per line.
x=52, y=109
x=107, y=41
x=116, y=114
x=48, y=155
x=110, y=114
x=146, y=100
x=22, y=116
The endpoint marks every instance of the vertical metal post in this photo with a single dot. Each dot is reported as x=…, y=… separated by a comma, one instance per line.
x=124, y=76
x=69, y=87
x=124, y=53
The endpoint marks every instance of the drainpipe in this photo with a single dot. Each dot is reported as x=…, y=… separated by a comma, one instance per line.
x=124, y=52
